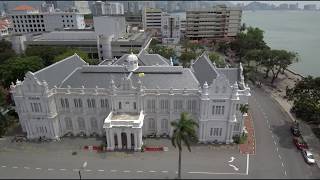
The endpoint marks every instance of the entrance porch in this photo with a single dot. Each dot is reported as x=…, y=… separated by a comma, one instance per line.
x=124, y=130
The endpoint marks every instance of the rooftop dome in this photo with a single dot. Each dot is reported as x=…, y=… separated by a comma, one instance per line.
x=132, y=57
x=24, y=8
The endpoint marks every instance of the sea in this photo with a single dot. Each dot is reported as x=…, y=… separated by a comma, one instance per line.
x=297, y=31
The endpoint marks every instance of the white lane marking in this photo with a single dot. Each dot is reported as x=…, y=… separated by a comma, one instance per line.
x=234, y=167
x=231, y=159
x=176, y=172
x=285, y=173
x=14, y=167
x=272, y=136
x=274, y=142
x=152, y=171
x=50, y=169
x=282, y=164
x=139, y=171
x=101, y=170
x=164, y=171
x=112, y=170
x=126, y=171
x=214, y=173
x=3, y=166
x=277, y=149
x=62, y=169
x=88, y=170
x=247, y=170
x=279, y=156
x=26, y=167
x=38, y=168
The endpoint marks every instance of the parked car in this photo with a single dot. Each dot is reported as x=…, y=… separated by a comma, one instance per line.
x=308, y=157
x=300, y=143
x=295, y=130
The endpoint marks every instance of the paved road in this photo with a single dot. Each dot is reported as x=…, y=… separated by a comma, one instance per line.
x=277, y=157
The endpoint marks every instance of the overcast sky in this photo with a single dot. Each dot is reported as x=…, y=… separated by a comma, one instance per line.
x=301, y=3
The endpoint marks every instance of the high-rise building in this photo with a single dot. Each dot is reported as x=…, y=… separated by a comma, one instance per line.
x=214, y=23
x=26, y=19
x=151, y=18
x=170, y=29
x=54, y=3
x=107, y=8
x=81, y=7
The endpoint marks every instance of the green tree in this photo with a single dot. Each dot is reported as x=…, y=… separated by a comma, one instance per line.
x=70, y=52
x=134, y=51
x=163, y=51
x=6, y=51
x=183, y=132
x=217, y=59
x=244, y=108
x=186, y=58
x=16, y=68
x=306, y=99
x=46, y=53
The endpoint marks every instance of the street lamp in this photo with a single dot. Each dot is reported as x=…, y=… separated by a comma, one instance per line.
x=83, y=166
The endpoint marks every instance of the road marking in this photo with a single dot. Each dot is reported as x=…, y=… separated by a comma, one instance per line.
x=87, y=170
x=234, y=167
x=3, y=166
x=50, y=169
x=38, y=168
x=247, y=170
x=232, y=158
x=112, y=170
x=101, y=170
x=274, y=142
x=62, y=169
x=282, y=164
x=139, y=171
x=152, y=171
x=214, y=173
x=176, y=172
x=279, y=156
x=126, y=171
x=285, y=173
x=164, y=171
x=14, y=167
x=75, y=169
x=26, y=167
x=277, y=149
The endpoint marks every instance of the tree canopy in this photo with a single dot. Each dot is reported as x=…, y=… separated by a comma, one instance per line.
x=46, y=53
x=6, y=51
x=16, y=68
x=217, y=59
x=306, y=99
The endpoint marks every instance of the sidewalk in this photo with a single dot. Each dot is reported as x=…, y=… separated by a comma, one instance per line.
x=249, y=146
x=306, y=131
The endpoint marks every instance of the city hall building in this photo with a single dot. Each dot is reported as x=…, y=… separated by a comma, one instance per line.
x=132, y=97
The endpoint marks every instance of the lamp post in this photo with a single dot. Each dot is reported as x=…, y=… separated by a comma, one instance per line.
x=84, y=165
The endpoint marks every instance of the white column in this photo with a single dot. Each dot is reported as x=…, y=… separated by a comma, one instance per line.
x=135, y=140
x=119, y=139
x=128, y=140
x=111, y=137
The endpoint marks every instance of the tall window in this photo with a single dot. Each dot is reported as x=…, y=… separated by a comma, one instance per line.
x=218, y=110
x=81, y=124
x=77, y=103
x=236, y=127
x=68, y=124
x=94, y=124
x=104, y=103
x=120, y=105
x=134, y=105
x=151, y=105
x=164, y=105
x=36, y=107
x=177, y=105
x=152, y=124
x=91, y=103
x=215, y=131
x=164, y=124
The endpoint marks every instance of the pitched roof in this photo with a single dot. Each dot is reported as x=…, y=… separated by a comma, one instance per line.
x=233, y=74
x=204, y=70
x=162, y=77
x=57, y=72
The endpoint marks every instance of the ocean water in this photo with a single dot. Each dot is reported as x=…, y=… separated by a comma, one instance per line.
x=297, y=31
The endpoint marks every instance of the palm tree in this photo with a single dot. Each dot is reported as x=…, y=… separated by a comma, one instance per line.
x=244, y=108
x=184, y=131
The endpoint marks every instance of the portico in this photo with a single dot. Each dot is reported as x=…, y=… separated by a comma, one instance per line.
x=124, y=130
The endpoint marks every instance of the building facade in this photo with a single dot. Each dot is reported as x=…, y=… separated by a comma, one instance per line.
x=216, y=23
x=170, y=29
x=107, y=8
x=135, y=96
x=151, y=19
x=30, y=20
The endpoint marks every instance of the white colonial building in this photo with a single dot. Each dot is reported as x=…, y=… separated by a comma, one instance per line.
x=135, y=96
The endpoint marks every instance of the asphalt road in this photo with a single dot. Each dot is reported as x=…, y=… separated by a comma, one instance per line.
x=276, y=156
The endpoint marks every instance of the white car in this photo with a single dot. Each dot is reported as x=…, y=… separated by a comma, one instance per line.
x=308, y=157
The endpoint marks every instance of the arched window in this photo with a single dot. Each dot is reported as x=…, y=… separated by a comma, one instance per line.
x=81, y=124
x=94, y=124
x=69, y=125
